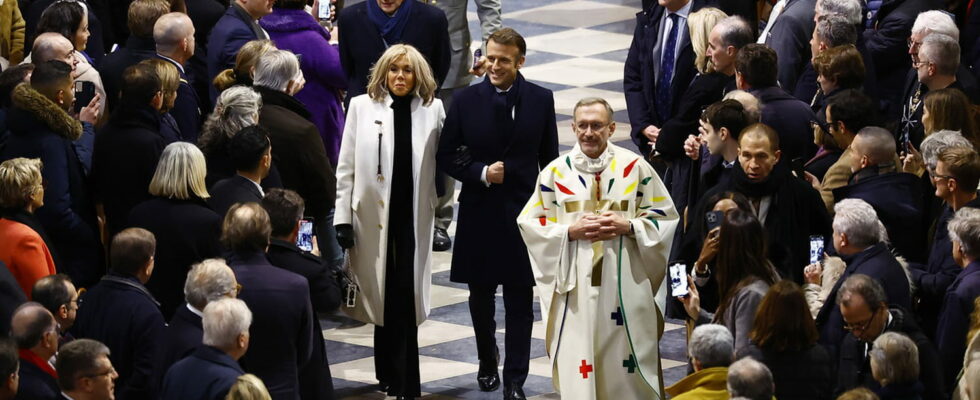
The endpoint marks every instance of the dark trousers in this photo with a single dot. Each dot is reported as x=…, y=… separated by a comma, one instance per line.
x=518, y=320
x=396, y=345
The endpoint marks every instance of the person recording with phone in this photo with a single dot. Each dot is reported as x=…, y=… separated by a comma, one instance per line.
x=286, y=251
x=743, y=273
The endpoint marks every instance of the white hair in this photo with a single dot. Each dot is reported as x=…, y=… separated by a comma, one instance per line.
x=938, y=142
x=750, y=103
x=712, y=345
x=859, y=221
x=750, y=379
x=223, y=321
x=943, y=51
x=276, y=68
x=850, y=9
x=207, y=281
x=894, y=359
x=964, y=228
x=935, y=21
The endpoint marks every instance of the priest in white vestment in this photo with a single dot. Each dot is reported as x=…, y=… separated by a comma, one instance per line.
x=598, y=230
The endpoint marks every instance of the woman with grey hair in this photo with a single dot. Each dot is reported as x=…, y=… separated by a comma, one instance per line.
x=236, y=108
x=388, y=167
x=895, y=366
x=186, y=229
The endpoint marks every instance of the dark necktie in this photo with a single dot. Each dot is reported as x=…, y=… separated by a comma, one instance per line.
x=502, y=116
x=666, y=70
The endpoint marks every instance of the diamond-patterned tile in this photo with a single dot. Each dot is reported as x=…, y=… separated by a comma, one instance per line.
x=576, y=72
x=575, y=14
x=580, y=42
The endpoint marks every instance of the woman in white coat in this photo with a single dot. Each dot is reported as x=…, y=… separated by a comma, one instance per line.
x=386, y=194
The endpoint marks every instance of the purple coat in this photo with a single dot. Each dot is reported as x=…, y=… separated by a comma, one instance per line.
x=297, y=31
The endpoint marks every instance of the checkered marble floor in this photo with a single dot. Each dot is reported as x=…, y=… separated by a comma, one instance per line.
x=577, y=49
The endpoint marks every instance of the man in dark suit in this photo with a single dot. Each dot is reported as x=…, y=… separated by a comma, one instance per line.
x=207, y=281
x=372, y=26
x=10, y=298
x=279, y=299
x=285, y=209
x=204, y=14
x=755, y=72
x=956, y=189
x=896, y=196
x=85, y=371
x=9, y=369
x=297, y=148
x=36, y=333
x=497, y=137
x=251, y=153
x=128, y=148
x=40, y=127
x=866, y=312
x=861, y=245
x=936, y=65
x=239, y=25
x=886, y=34
x=121, y=312
x=788, y=33
x=58, y=295
x=212, y=369
x=659, y=68
x=958, y=304
x=139, y=46
x=173, y=34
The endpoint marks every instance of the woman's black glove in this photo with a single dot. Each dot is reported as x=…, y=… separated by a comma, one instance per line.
x=345, y=235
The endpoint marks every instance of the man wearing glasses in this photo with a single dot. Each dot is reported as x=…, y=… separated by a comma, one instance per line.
x=867, y=314
x=85, y=371
x=58, y=295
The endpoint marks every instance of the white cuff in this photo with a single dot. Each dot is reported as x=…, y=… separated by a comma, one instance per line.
x=483, y=176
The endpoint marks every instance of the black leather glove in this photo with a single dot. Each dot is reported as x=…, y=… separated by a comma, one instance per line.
x=345, y=235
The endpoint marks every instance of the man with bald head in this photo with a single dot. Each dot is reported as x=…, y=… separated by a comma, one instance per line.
x=789, y=208
x=173, y=34
x=53, y=46
x=36, y=333
x=896, y=196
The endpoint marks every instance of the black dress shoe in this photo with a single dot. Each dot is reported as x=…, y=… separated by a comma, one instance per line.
x=441, y=240
x=488, y=380
x=513, y=393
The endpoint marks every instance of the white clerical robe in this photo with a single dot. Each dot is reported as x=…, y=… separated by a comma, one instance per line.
x=604, y=316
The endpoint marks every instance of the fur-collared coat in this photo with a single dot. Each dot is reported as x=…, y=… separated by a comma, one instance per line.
x=39, y=128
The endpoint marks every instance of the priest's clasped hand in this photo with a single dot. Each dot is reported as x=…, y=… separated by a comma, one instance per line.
x=599, y=227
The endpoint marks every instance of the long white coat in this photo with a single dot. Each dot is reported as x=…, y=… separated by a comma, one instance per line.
x=363, y=197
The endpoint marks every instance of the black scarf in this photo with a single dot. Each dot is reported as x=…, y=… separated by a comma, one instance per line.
x=279, y=98
x=768, y=186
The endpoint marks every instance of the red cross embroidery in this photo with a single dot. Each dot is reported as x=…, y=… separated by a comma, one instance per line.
x=584, y=369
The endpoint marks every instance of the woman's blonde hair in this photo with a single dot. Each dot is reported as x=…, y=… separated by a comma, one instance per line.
x=20, y=178
x=425, y=84
x=180, y=173
x=169, y=78
x=248, y=387
x=246, y=59
x=700, y=23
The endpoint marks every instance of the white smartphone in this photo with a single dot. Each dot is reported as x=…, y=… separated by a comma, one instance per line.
x=678, y=279
x=323, y=12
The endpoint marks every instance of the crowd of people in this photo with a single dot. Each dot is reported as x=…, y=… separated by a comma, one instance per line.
x=188, y=187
